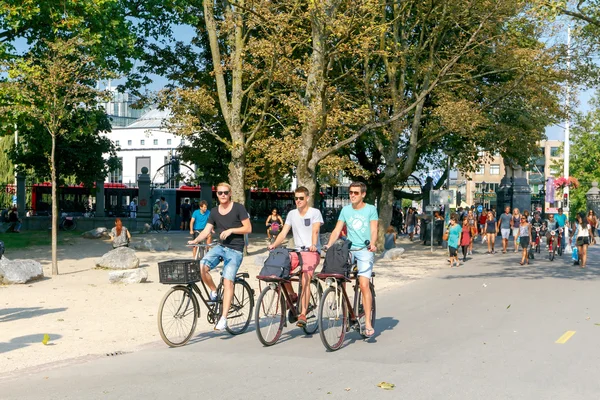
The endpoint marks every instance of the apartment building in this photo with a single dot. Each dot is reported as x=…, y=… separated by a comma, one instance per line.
x=480, y=187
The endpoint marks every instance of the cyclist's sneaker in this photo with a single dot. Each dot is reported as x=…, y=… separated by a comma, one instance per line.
x=221, y=325
x=213, y=298
x=301, y=321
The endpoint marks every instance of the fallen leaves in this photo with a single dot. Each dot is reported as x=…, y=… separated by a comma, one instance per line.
x=386, y=385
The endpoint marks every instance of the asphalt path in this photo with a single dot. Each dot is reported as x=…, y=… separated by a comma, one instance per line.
x=486, y=330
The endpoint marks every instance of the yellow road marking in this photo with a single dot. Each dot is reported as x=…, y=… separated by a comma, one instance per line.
x=566, y=336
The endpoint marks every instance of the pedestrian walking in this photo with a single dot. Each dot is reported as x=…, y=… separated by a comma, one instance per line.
x=524, y=238
x=491, y=231
x=454, y=231
x=515, y=224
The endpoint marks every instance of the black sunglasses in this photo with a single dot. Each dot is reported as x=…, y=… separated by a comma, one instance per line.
x=356, y=193
x=298, y=198
x=226, y=192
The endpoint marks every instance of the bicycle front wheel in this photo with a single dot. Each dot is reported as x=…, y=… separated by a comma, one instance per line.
x=360, y=312
x=560, y=251
x=312, y=323
x=240, y=311
x=332, y=318
x=177, y=314
x=552, y=254
x=269, y=316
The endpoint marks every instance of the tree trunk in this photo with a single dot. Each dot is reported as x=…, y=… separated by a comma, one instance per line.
x=386, y=201
x=237, y=172
x=307, y=177
x=54, y=209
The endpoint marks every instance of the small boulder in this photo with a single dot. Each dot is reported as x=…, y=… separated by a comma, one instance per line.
x=147, y=228
x=137, y=275
x=19, y=271
x=119, y=258
x=394, y=254
x=97, y=233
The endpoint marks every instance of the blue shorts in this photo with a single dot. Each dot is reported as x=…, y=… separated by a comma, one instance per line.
x=364, y=262
x=232, y=259
x=410, y=229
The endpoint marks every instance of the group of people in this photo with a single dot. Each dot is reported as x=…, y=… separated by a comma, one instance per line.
x=524, y=228
x=229, y=222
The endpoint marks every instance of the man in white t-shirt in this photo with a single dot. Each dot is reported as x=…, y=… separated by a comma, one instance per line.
x=305, y=223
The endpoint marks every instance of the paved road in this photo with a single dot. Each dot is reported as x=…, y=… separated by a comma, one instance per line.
x=484, y=331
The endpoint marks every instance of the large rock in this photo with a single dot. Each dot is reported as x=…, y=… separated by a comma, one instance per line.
x=153, y=244
x=97, y=233
x=19, y=271
x=137, y=275
x=394, y=254
x=119, y=258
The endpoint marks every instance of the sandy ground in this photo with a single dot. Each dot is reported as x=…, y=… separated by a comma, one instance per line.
x=87, y=317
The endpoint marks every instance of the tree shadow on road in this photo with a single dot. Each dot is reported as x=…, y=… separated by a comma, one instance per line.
x=25, y=341
x=13, y=314
x=539, y=268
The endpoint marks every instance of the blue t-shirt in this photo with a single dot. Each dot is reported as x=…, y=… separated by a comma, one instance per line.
x=561, y=219
x=454, y=235
x=358, y=223
x=200, y=219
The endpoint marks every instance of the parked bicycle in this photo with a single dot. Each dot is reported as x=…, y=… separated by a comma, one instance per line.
x=275, y=301
x=161, y=224
x=337, y=315
x=179, y=309
x=552, y=249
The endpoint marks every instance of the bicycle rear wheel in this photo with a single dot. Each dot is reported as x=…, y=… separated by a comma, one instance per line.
x=332, y=318
x=312, y=323
x=269, y=316
x=360, y=312
x=240, y=312
x=167, y=225
x=177, y=314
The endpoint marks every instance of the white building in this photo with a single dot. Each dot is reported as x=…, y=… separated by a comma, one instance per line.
x=145, y=143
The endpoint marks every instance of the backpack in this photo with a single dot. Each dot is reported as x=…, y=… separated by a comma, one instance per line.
x=278, y=263
x=337, y=259
x=275, y=227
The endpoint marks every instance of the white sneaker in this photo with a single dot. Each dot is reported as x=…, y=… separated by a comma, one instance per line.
x=213, y=297
x=221, y=325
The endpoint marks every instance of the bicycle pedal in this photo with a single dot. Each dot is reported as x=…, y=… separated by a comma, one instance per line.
x=292, y=318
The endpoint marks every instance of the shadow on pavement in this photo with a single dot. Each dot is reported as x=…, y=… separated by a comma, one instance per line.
x=507, y=266
x=25, y=341
x=13, y=314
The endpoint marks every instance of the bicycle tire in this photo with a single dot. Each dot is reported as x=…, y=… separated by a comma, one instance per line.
x=312, y=323
x=69, y=227
x=239, y=318
x=560, y=250
x=538, y=247
x=167, y=225
x=552, y=254
x=183, y=307
x=330, y=316
x=269, y=316
x=360, y=313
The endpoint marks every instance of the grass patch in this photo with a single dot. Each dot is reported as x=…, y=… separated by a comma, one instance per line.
x=34, y=238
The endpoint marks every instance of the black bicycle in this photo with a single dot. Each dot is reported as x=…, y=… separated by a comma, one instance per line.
x=337, y=315
x=162, y=223
x=179, y=309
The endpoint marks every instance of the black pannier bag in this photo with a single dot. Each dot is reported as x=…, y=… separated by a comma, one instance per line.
x=277, y=264
x=337, y=259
